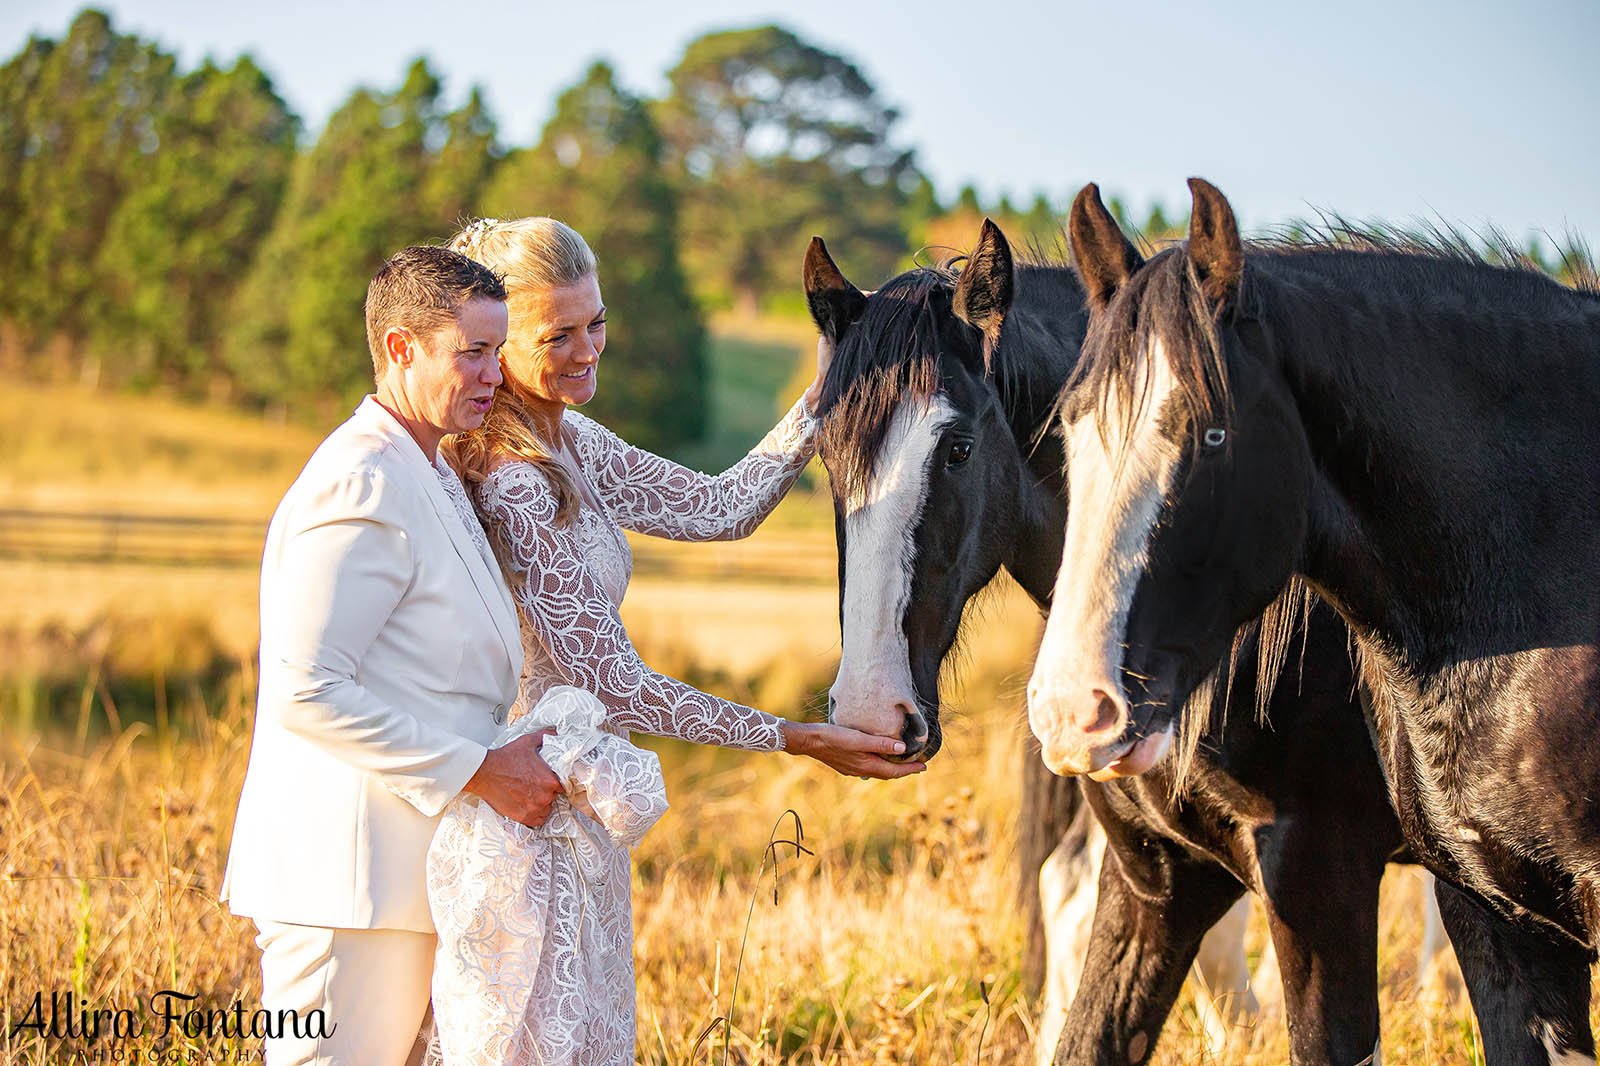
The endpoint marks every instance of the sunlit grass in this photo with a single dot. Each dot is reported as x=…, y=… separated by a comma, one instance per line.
x=880, y=947
x=126, y=697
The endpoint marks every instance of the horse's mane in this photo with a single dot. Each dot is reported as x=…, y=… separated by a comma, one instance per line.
x=1491, y=248
x=1163, y=299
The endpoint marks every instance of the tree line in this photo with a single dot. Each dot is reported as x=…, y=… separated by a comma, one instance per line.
x=169, y=228
x=174, y=229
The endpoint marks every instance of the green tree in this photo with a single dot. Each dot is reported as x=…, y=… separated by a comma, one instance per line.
x=776, y=139
x=367, y=188
x=1157, y=227
x=465, y=161
x=202, y=204
x=1041, y=219
x=77, y=126
x=598, y=167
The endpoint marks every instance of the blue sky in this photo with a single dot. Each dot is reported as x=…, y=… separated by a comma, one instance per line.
x=1467, y=111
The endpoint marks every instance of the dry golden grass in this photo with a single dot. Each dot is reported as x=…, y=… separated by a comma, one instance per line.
x=878, y=950
x=114, y=823
x=80, y=449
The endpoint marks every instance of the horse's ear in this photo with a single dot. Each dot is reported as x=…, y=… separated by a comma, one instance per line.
x=987, y=283
x=834, y=302
x=1214, y=245
x=1104, y=256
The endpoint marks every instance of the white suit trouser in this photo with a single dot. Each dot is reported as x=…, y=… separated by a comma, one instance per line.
x=370, y=984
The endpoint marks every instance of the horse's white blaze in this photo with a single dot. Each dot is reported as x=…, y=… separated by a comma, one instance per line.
x=875, y=667
x=1117, y=487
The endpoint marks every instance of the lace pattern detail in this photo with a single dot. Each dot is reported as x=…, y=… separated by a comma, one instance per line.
x=573, y=635
x=547, y=916
x=652, y=495
x=457, y=492
x=535, y=959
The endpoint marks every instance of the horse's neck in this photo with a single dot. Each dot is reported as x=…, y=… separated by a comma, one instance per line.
x=1455, y=499
x=1038, y=350
x=1035, y=557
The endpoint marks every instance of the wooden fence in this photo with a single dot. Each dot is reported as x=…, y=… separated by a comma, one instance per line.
x=782, y=555
x=119, y=537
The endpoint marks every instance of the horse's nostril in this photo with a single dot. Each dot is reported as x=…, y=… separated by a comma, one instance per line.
x=833, y=709
x=1106, y=712
x=914, y=733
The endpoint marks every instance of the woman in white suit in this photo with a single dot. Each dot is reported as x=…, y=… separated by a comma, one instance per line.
x=390, y=656
x=556, y=490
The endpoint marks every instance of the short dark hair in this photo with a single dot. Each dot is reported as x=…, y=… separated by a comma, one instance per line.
x=420, y=289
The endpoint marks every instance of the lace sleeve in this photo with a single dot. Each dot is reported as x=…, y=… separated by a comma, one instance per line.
x=579, y=626
x=652, y=495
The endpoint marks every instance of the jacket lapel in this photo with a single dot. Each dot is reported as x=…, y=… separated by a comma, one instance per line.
x=485, y=571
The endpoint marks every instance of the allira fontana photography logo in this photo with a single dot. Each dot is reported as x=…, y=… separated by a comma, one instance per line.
x=167, y=1014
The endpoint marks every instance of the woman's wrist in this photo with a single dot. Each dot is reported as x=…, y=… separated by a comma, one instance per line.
x=796, y=736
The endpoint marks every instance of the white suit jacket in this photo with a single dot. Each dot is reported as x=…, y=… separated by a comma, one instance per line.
x=389, y=656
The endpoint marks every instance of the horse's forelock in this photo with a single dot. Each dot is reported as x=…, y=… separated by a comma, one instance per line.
x=888, y=356
x=1162, y=302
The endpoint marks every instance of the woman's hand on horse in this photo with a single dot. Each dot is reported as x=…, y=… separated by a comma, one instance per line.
x=824, y=360
x=515, y=781
x=847, y=750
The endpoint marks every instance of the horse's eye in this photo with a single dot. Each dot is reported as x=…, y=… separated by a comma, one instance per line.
x=960, y=452
x=1214, y=437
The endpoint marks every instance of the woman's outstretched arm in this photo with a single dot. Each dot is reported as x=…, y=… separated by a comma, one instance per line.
x=579, y=626
x=649, y=494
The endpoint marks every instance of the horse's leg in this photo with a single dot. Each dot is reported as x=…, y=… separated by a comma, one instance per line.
x=1530, y=993
x=1052, y=824
x=1266, y=984
x=1068, y=890
x=1438, y=976
x=1222, y=975
x=1143, y=942
x=1322, y=909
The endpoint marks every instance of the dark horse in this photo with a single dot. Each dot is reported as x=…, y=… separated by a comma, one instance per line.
x=1416, y=433
x=933, y=410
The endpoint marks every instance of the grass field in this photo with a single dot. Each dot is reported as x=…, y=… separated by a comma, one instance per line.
x=116, y=799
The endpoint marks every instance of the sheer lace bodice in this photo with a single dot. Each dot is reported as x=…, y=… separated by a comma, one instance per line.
x=563, y=952
x=571, y=580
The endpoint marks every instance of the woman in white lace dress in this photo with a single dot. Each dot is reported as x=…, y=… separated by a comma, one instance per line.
x=555, y=491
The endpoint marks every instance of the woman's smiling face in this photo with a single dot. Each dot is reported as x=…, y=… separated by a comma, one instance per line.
x=552, y=350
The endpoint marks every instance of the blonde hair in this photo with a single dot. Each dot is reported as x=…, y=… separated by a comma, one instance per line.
x=532, y=254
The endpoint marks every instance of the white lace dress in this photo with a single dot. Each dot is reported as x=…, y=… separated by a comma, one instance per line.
x=581, y=1008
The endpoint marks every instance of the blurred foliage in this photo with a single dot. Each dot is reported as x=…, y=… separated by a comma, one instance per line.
x=174, y=229
x=369, y=186
x=598, y=166
x=775, y=139
x=169, y=264
x=77, y=128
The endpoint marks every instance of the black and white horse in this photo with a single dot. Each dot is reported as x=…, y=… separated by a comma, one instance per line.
x=933, y=411
x=1416, y=434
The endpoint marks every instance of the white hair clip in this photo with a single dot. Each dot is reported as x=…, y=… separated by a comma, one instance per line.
x=475, y=232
